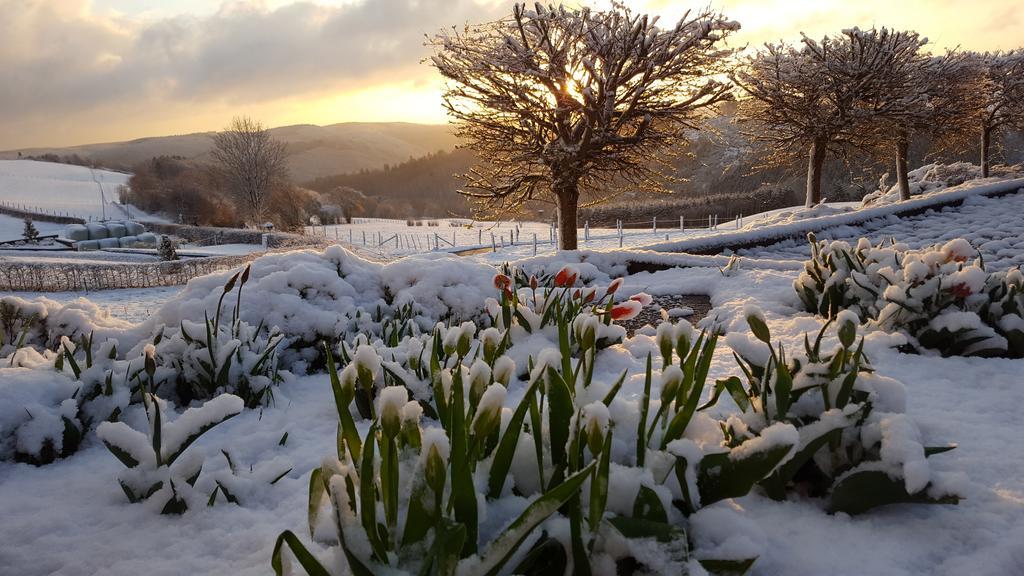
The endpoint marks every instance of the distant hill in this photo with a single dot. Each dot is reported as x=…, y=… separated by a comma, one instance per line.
x=315, y=150
x=424, y=186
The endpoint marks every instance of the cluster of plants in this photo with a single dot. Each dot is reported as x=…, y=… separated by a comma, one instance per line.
x=197, y=361
x=857, y=448
x=942, y=297
x=423, y=427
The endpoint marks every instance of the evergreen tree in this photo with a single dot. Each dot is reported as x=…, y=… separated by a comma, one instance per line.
x=166, y=250
x=30, y=232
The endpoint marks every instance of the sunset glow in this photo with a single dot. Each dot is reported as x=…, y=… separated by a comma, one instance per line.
x=119, y=69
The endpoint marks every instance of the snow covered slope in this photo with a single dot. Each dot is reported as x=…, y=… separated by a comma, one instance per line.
x=62, y=188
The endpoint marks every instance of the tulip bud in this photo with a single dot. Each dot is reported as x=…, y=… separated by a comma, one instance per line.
x=479, y=378
x=847, y=330
x=671, y=379
x=435, y=453
x=683, y=333
x=411, y=414
x=367, y=365
x=533, y=282
x=347, y=378
x=451, y=340
x=390, y=404
x=595, y=419
x=488, y=411
x=504, y=370
x=466, y=332
x=665, y=338
x=150, y=352
x=490, y=339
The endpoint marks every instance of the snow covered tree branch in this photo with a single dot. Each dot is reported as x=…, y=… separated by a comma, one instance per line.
x=559, y=101
x=821, y=96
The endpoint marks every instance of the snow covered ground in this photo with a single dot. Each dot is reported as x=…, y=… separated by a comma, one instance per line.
x=993, y=225
x=11, y=228
x=390, y=239
x=970, y=402
x=64, y=189
x=70, y=517
x=133, y=305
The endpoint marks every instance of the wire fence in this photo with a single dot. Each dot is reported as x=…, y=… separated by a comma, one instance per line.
x=473, y=239
x=16, y=276
x=39, y=214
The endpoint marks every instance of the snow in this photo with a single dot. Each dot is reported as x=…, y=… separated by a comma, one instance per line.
x=973, y=402
x=64, y=189
x=11, y=228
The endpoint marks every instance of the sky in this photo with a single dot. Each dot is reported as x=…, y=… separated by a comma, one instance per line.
x=84, y=71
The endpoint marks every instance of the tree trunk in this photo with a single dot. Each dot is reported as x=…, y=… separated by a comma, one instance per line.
x=567, y=196
x=902, y=181
x=815, y=161
x=986, y=145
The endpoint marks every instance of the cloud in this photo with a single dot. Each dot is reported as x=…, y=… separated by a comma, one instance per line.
x=73, y=72
x=57, y=57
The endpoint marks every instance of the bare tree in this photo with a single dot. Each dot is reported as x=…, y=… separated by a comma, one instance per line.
x=812, y=98
x=558, y=101
x=998, y=89
x=251, y=162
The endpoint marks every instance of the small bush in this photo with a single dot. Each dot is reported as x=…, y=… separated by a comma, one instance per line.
x=941, y=297
x=166, y=250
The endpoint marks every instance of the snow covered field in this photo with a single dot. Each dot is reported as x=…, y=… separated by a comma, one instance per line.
x=512, y=240
x=63, y=189
x=71, y=517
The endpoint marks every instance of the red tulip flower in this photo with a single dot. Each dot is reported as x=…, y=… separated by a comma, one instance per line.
x=626, y=310
x=643, y=298
x=566, y=277
x=615, y=285
x=502, y=282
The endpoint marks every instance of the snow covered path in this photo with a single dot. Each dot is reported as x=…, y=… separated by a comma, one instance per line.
x=993, y=225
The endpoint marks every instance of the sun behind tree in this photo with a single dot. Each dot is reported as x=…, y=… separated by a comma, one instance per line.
x=559, y=102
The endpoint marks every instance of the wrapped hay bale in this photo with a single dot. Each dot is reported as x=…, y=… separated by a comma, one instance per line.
x=133, y=228
x=128, y=241
x=109, y=243
x=97, y=231
x=76, y=232
x=148, y=238
x=116, y=230
x=88, y=245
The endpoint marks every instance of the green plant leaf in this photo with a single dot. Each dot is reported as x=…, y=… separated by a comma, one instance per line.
x=505, y=545
x=775, y=485
x=560, y=409
x=719, y=476
x=866, y=489
x=648, y=506
x=547, y=557
x=503, y=455
x=599, y=484
x=728, y=567
x=309, y=563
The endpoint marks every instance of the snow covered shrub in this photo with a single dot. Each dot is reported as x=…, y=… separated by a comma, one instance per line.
x=856, y=445
x=167, y=250
x=160, y=468
x=216, y=356
x=238, y=484
x=42, y=323
x=941, y=297
x=39, y=420
x=932, y=178
x=333, y=295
